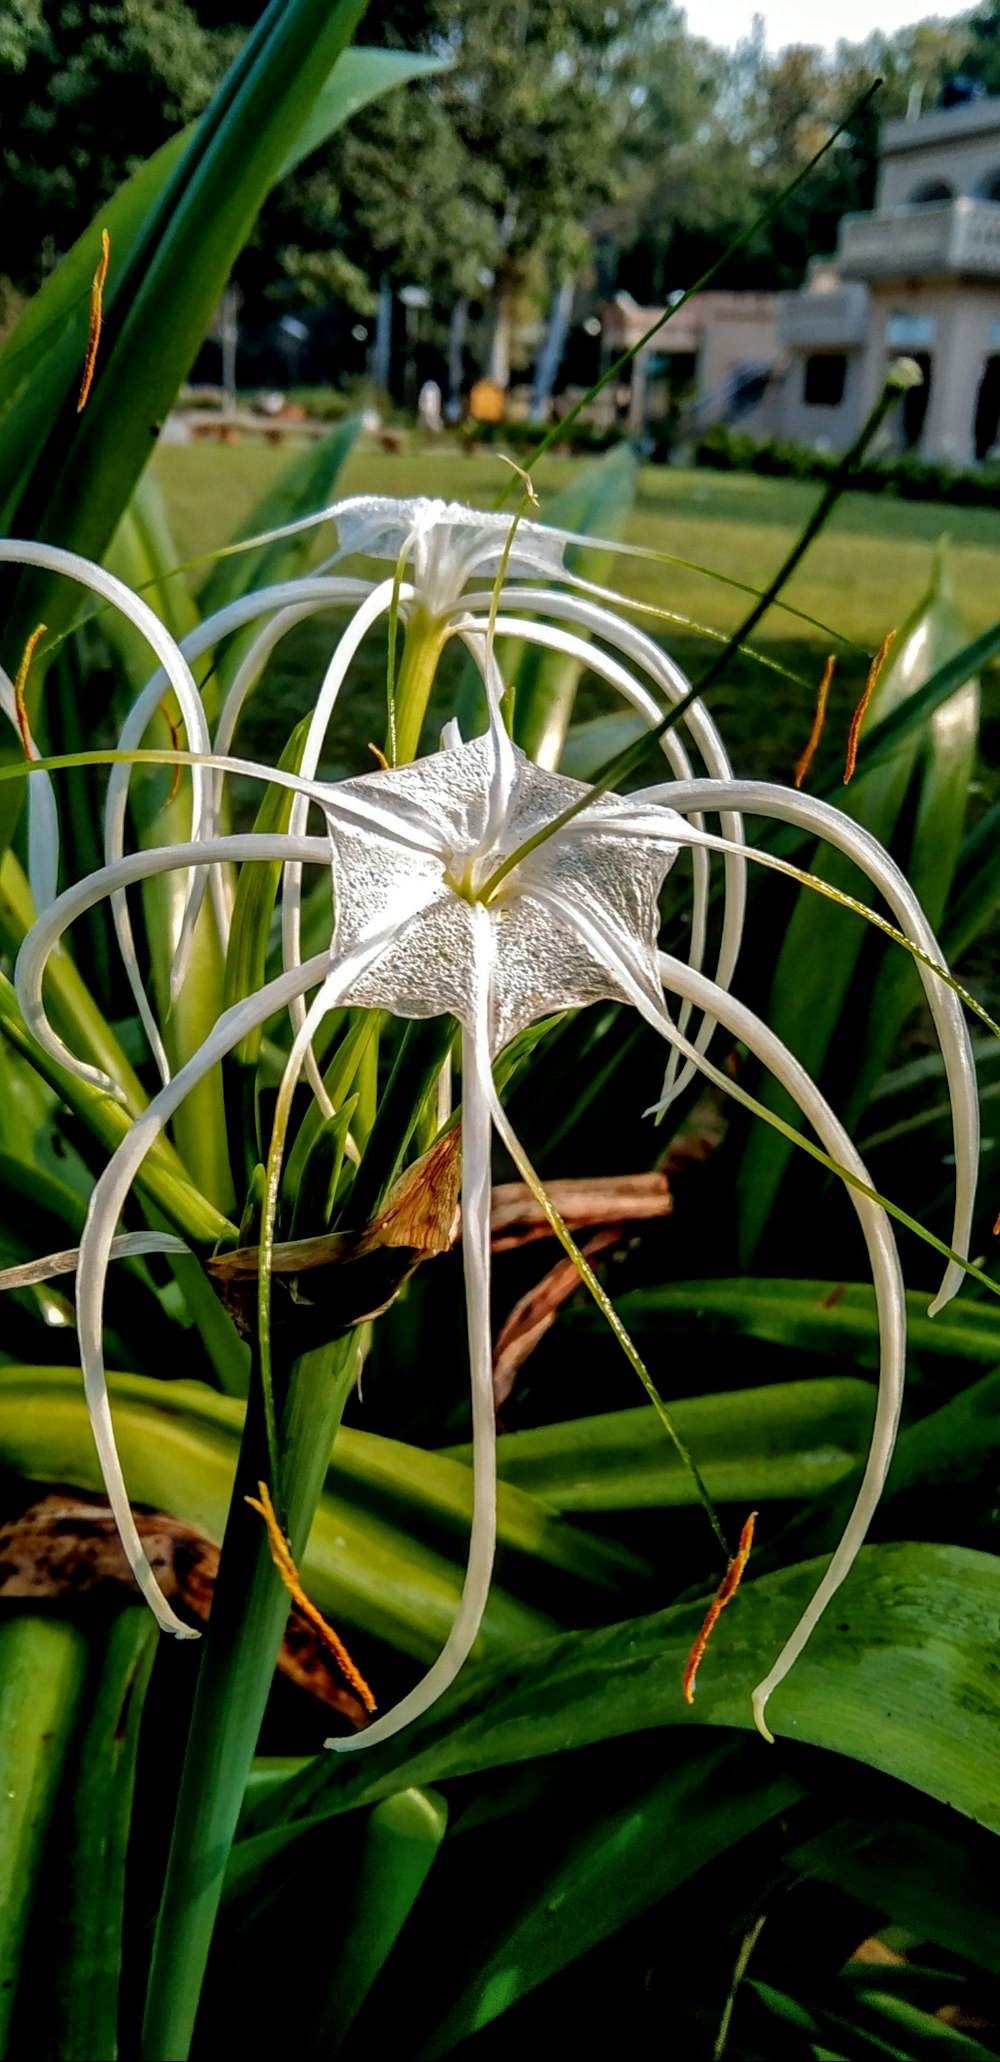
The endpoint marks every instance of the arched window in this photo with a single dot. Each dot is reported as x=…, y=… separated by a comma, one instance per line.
x=988, y=188
x=931, y=190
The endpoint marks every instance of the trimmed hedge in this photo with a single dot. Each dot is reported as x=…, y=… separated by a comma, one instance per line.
x=912, y=479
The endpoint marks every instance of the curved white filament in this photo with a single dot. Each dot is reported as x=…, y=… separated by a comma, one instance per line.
x=244, y=681
x=322, y=593
x=29, y=972
x=52, y=558
x=890, y=1297
x=377, y=602
x=477, y=1087
x=106, y=1205
x=807, y=812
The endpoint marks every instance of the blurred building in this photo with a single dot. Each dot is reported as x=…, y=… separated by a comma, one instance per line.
x=919, y=275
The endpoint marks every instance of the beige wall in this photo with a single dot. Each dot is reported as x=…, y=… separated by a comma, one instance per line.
x=964, y=314
x=738, y=329
x=959, y=145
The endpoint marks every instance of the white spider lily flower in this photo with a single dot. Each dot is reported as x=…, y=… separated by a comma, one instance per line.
x=432, y=918
x=439, y=551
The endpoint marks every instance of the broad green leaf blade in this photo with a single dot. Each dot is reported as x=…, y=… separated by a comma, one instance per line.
x=835, y=1318
x=162, y=1178
x=43, y=1665
x=752, y=1447
x=434, y=1488
x=545, y=683
x=910, y=717
x=358, y=76
x=58, y=313
x=363, y=1565
x=822, y=944
x=590, y=745
x=922, y=1876
x=87, y=1973
x=976, y=889
x=901, y=1674
x=400, y=1842
x=620, y=1864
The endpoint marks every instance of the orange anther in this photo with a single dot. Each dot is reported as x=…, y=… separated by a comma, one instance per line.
x=20, y=684
x=818, y=721
x=860, y=712
x=727, y=1588
x=281, y=1554
x=96, y=318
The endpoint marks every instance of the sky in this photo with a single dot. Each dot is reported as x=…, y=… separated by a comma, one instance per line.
x=825, y=22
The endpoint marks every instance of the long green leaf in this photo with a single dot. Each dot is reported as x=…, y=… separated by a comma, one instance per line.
x=619, y=1864
x=946, y=767
x=976, y=892
x=178, y=1443
x=836, y=1318
x=901, y=1675
x=752, y=1447
x=161, y=296
x=162, y=1178
x=910, y=717
x=87, y=1972
x=401, y=1840
x=359, y=76
x=43, y=1664
x=57, y=315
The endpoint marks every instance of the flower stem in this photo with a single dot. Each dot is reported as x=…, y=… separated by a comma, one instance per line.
x=412, y=686
x=248, y=1617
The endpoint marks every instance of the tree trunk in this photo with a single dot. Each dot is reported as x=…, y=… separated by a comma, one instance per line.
x=551, y=354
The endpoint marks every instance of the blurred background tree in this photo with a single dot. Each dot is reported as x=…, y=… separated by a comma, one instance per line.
x=588, y=139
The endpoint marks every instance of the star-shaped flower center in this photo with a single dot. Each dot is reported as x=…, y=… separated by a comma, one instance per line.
x=414, y=851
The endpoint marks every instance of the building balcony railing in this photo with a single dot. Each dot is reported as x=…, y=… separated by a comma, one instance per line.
x=897, y=243
x=831, y=319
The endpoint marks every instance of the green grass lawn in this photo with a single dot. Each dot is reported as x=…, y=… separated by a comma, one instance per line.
x=861, y=578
